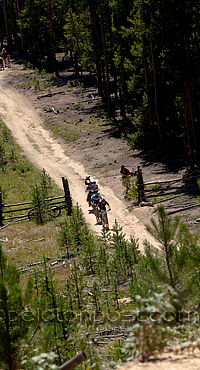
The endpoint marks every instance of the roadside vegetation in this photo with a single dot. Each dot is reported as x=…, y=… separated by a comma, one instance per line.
x=63, y=290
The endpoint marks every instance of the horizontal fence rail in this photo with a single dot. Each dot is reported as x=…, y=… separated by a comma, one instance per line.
x=7, y=211
x=19, y=211
x=164, y=190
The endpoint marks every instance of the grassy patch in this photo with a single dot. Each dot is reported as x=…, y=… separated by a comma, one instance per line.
x=99, y=165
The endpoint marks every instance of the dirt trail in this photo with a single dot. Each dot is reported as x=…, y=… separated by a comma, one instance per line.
x=45, y=152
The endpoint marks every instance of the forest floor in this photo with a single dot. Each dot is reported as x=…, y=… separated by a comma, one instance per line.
x=60, y=125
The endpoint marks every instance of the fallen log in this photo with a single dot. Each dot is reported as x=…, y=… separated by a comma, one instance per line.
x=49, y=95
x=74, y=361
x=182, y=209
x=143, y=204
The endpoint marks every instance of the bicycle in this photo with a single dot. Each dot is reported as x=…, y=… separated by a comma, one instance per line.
x=96, y=212
x=8, y=63
x=104, y=218
x=53, y=212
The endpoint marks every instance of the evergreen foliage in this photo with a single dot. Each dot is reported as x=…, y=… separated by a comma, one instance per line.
x=13, y=327
x=40, y=193
x=171, y=264
x=88, y=251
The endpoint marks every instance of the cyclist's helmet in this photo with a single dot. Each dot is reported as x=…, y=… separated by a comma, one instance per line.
x=122, y=167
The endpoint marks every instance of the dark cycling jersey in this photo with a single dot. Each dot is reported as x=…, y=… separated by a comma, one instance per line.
x=125, y=172
x=93, y=187
x=102, y=205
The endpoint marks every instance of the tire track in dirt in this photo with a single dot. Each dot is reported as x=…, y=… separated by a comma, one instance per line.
x=43, y=151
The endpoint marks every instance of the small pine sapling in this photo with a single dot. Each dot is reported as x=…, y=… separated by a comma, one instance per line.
x=65, y=239
x=171, y=264
x=76, y=283
x=96, y=296
x=103, y=268
x=88, y=251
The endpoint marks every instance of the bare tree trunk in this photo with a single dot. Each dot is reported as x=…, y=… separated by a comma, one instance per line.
x=19, y=40
x=6, y=22
x=51, y=36
x=99, y=61
x=155, y=92
x=189, y=119
x=106, y=60
x=147, y=85
x=147, y=79
x=122, y=103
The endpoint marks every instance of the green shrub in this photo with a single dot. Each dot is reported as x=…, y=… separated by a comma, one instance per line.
x=150, y=334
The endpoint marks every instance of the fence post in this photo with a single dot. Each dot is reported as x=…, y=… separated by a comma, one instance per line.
x=140, y=185
x=68, y=198
x=73, y=362
x=1, y=211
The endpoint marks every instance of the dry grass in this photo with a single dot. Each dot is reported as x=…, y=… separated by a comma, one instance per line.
x=26, y=244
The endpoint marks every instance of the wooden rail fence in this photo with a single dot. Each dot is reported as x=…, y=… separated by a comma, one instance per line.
x=20, y=210
x=160, y=191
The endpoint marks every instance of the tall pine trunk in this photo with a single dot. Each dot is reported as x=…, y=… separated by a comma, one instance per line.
x=107, y=87
x=156, y=92
x=189, y=119
x=97, y=46
x=51, y=37
x=6, y=23
x=145, y=64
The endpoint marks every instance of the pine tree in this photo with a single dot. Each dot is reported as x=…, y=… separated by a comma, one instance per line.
x=65, y=238
x=40, y=193
x=171, y=263
x=55, y=318
x=75, y=284
x=96, y=296
x=88, y=251
x=103, y=268
x=76, y=224
x=13, y=328
x=123, y=258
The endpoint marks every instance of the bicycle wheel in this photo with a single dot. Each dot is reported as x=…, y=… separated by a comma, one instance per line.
x=55, y=211
x=105, y=220
x=107, y=225
x=98, y=217
x=32, y=214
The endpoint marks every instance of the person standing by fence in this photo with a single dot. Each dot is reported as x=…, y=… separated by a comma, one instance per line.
x=125, y=177
x=4, y=55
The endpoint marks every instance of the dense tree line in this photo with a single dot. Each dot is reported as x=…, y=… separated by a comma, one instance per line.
x=145, y=56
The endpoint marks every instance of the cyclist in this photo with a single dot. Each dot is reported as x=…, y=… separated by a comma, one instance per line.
x=125, y=175
x=4, y=55
x=103, y=203
x=92, y=184
x=87, y=180
x=102, y=208
x=92, y=188
x=95, y=198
